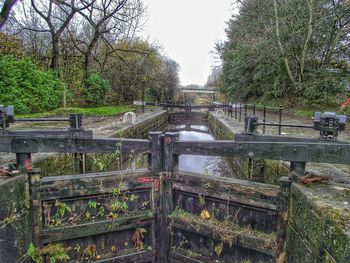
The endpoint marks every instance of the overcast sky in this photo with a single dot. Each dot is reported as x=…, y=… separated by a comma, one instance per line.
x=187, y=31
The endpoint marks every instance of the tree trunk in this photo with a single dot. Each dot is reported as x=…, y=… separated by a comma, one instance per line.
x=310, y=4
x=64, y=99
x=55, y=54
x=280, y=45
x=86, y=65
x=87, y=54
x=5, y=11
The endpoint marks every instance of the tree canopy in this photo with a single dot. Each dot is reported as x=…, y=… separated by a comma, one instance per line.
x=294, y=50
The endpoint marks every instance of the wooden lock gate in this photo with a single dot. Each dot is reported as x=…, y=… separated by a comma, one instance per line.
x=161, y=214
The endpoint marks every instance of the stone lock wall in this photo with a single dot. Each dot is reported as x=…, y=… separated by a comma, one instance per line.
x=267, y=171
x=15, y=223
x=317, y=232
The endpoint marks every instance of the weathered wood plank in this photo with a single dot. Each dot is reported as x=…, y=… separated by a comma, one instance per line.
x=287, y=151
x=48, y=133
x=257, y=218
x=227, y=196
x=241, y=186
x=274, y=138
x=77, y=145
x=258, y=242
x=59, y=187
x=94, y=228
x=5, y=144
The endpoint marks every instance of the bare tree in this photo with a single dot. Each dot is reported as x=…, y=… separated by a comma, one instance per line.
x=5, y=11
x=57, y=16
x=101, y=25
x=52, y=17
x=97, y=22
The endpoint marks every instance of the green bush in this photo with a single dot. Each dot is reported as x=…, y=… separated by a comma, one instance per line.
x=96, y=89
x=27, y=87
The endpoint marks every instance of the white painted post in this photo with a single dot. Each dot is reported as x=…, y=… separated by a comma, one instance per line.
x=133, y=117
x=221, y=113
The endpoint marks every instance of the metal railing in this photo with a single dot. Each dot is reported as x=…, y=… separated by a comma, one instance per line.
x=239, y=111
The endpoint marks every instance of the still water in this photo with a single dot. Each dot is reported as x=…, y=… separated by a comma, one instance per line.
x=209, y=165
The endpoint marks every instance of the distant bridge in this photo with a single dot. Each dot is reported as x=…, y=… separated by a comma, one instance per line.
x=200, y=90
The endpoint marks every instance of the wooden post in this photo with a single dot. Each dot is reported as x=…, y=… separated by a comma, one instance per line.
x=280, y=119
x=156, y=164
x=264, y=119
x=79, y=162
x=156, y=155
x=83, y=163
x=35, y=205
x=170, y=160
x=170, y=165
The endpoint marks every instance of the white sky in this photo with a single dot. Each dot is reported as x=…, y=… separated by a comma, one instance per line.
x=187, y=30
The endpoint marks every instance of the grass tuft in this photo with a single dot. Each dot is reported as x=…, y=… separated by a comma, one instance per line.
x=103, y=111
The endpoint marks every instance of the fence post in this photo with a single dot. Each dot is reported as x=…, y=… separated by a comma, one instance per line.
x=235, y=111
x=240, y=112
x=245, y=110
x=280, y=109
x=79, y=162
x=264, y=118
x=254, y=110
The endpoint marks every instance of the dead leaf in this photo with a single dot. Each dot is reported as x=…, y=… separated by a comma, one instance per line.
x=205, y=214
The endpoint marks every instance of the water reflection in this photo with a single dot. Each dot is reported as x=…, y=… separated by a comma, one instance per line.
x=64, y=164
x=209, y=165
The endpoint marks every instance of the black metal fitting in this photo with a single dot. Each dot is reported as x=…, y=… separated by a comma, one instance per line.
x=329, y=124
x=7, y=116
x=250, y=124
x=76, y=122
